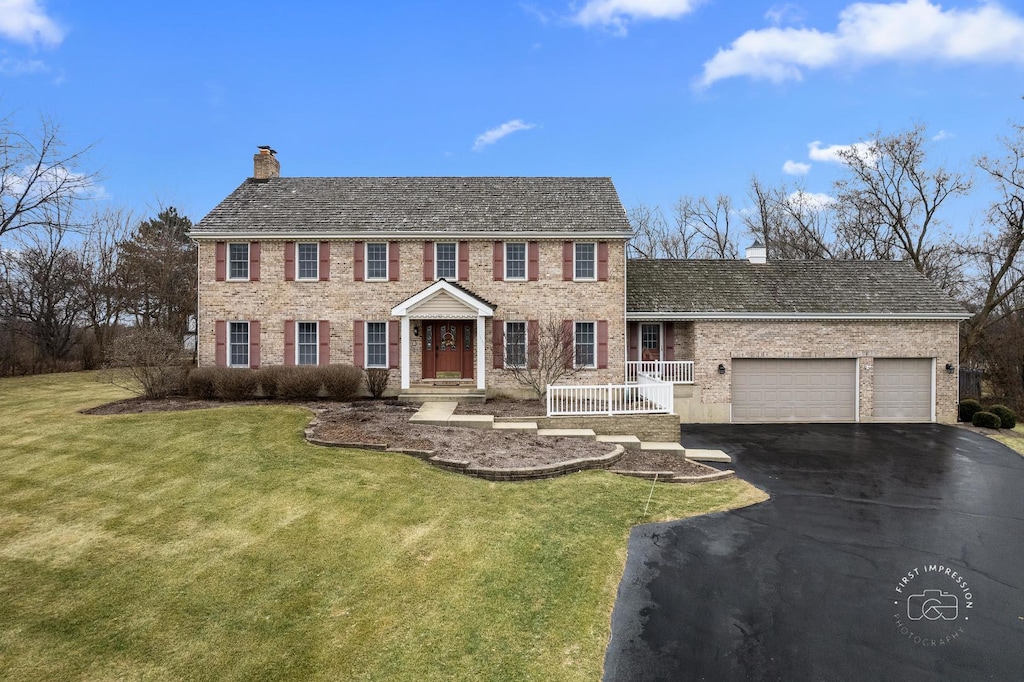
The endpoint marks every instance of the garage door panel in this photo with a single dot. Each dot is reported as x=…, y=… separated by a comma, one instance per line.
x=794, y=390
x=903, y=389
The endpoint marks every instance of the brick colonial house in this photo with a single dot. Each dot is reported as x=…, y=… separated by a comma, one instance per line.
x=447, y=281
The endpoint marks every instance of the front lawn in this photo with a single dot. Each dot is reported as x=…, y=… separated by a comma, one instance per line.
x=217, y=544
x=1013, y=440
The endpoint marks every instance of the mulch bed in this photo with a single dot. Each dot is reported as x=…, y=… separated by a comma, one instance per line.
x=386, y=423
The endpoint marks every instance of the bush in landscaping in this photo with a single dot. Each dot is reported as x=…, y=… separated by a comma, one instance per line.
x=299, y=383
x=199, y=384
x=1007, y=417
x=269, y=379
x=235, y=384
x=968, y=408
x=986, y=419
x=147, y=361
x=342, y=382
x=377, y=381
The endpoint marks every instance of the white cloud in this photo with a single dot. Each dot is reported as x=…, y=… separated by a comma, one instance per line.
x=25, y=21
x=796, y=168
x=615, y=14
x=914, y=30
x=494, y=134
x=833, y=153
x=9, y=66
x=941, y=135
x=784, y=14
x=814, y=201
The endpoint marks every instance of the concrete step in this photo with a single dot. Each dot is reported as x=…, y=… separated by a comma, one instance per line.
x=628, y=442
x=436, y=413
x=568, y=433
x=472, y=421
x=707, y=455
x=663, y=447
x=447, y=395
x=526, y=427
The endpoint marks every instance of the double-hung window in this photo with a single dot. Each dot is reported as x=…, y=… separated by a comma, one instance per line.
x=376, y=344
x=515, y=260
x=308, y=257
x=515, y=344
x=586, y=261
x=238, y=344
x=238, y=261
x=307, y=343
x=586, y=345
x=377, y=260
x=446, y=261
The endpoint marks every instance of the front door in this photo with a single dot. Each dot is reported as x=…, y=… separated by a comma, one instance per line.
x=650, y=342
x=448, y=349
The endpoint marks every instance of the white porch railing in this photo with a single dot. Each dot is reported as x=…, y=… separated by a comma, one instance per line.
x=649, y=395
x=672, y=371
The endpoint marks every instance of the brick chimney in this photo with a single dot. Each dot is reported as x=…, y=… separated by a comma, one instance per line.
x=265, y=164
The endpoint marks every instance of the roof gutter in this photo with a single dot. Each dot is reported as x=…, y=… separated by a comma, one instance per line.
x=406, y=234
x=682, y=316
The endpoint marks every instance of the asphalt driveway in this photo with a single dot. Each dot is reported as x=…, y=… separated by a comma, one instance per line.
x=886, y=552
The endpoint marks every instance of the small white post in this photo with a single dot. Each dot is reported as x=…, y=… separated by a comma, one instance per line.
x=405, y=352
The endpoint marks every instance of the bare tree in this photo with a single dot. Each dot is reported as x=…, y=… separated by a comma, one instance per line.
x=103, y=289
x=703, y=228
x=38, y=176
x=542, y=353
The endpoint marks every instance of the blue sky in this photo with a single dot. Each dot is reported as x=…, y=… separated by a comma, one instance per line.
x=668, y=97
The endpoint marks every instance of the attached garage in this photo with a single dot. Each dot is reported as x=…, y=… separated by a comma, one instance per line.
x=903, y=389
x=794, y=390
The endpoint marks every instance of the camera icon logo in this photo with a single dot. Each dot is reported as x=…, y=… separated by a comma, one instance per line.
x=932, y=605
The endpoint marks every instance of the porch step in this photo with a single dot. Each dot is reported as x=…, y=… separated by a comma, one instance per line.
x=527, y=427
x=663, y=447
x=472, y=421
x=568, y=433
x=628, y=442
x=423, y=394
x=707, y=455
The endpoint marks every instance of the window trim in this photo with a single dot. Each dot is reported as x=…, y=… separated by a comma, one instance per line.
x=316, y=343
x=575, y=270
x=366, y=345
x=661, y=339
x=248, y=344
x=366, y=262
x=575, y=345
x=455, y=261
x=298, y=262
x=248, y=262
x=526, y=262
x=526, y=344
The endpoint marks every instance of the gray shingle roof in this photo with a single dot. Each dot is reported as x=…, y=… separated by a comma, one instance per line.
x=811, y=287
x=429, y=205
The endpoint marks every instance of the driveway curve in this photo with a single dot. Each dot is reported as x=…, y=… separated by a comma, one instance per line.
x=886, y=552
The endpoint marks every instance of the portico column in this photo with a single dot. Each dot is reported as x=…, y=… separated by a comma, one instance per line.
x=480, y=328
x=405, y=352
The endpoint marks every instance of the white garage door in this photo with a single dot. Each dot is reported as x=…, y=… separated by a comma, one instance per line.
x=903, y=390
x=794, y=390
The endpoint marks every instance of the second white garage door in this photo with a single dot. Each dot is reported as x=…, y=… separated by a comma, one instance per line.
x=903, y=390
x=777, y=390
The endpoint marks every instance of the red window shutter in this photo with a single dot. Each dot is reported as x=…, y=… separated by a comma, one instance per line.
x=393, y=348
x=670, y=342
x=325, y=261
x=289, y=261
x=533, y=261
x=533, y=343
x=358, y=269
x=221, y=259
x=289, y=342
x=254, y=261
x=567, y=256
x=254, y=343
x=634, y=340
x=358, y=339
x=569, y=341
x=499, y=261
x=428, y=261
x=222, y=343
x=325, y=342
x=463, y=261
x=394, y=261
x=498, y=343
x=602, y=344
x=602, y=261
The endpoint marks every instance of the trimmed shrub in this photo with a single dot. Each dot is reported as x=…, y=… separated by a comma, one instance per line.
x=235, y=384
x=968, y=408
x=1007, y=417
x=199, y=384
x=985, y=419
x=342, y=382
x=299, y=383
x=269, y=378
x=377, y=381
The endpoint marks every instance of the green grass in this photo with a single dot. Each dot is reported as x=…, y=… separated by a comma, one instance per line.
x=217, y=544
x=1012, y=442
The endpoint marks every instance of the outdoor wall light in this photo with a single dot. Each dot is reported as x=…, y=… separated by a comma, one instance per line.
x=950, y=369
x=721, y=368
x=416, y=330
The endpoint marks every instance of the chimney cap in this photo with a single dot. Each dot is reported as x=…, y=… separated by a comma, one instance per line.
x=266, y=149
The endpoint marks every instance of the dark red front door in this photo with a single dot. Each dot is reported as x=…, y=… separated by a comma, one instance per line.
x=448, y=349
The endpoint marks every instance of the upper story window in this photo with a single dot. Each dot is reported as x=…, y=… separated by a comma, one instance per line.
x=446, y=261
x=238, y=344
x=586, y=345
x=515, y=260
x=308, y=256
x=307, y=343
x=585, y=262
x=376, y=260
x=238, y=261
